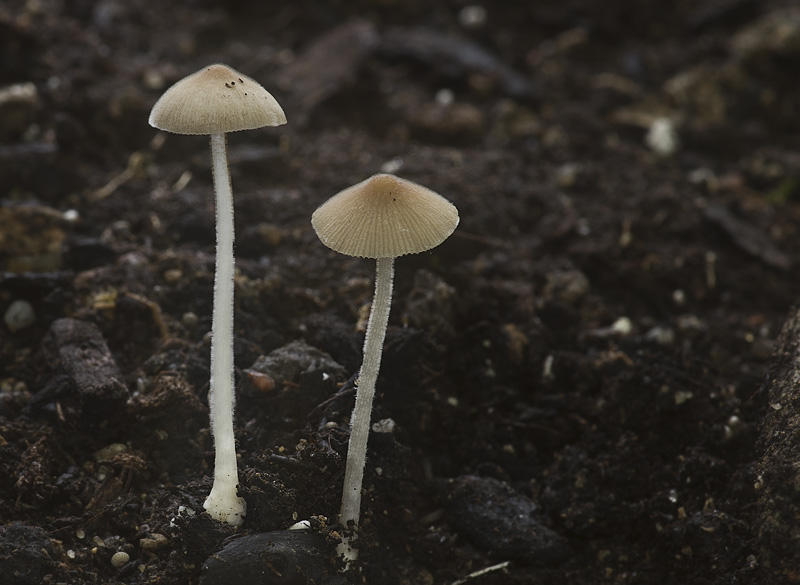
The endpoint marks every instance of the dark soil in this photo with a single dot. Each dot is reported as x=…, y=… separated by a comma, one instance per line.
x=576, y=377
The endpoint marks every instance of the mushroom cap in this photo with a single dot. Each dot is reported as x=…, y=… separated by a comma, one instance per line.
x=215, y=100
x=384, y=217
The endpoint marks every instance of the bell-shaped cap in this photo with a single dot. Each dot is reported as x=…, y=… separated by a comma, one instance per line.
x=384, y=217
x=215, y=100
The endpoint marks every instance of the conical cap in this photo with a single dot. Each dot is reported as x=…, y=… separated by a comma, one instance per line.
x=215, y=100
x=384, y=217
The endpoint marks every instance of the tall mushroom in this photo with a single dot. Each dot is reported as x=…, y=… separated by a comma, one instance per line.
x=382, y=217
x=216, y=100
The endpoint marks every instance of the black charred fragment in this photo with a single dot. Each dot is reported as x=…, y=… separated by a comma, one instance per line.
x=77, y=350
x=283, y=557
x=26, y=555
x=494, y=517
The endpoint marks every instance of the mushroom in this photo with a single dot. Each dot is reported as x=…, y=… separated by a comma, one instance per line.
x=382, y=217
x=216, y=100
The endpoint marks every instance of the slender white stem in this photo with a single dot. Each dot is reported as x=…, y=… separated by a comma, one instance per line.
x=223, y=503
x=367, y=377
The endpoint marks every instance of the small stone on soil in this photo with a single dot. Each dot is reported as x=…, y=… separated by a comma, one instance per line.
x=19, y=315
x=501, y=521
x=284, y=557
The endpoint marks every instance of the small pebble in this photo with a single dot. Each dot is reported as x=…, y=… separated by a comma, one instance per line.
x=662, y=137
x=109, y=451
x=472, y=17
x=497, y=519
x=20, y=92
x=300, y=555
x=119, y=559
x=155, y=542
x=691, y=324
x=567, y=175
x=386, y=425
x=623, y=326
x=19, y=315
x=190, y=320
x=444, y=97
x=568, y=286
x=153, y=79
x=661, y=335
x=18, y=103
x=393, y=165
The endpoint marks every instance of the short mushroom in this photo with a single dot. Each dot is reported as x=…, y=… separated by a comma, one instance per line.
x=216, y=100
x=382, y=217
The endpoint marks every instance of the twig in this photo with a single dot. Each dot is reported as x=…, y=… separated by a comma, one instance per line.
x=347, y=389
x=135, y=164
x=497, y=567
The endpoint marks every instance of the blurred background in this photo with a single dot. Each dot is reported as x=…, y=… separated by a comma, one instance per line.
x=586, y=351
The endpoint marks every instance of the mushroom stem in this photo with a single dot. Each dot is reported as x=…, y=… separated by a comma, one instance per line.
x=223, y=502
x=367, y=377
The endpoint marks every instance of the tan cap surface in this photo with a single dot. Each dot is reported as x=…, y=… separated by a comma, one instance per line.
x=384, y=217
x=214, y=100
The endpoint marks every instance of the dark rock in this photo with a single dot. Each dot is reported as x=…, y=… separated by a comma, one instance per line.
x=78, y=350
x=494, y=517
x=288, y=362
x=27, y=555
x=297, y=375
x=284, y=557
x=777, y=482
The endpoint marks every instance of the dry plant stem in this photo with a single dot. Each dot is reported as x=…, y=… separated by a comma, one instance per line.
x=367, y=377
x=223, y=503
